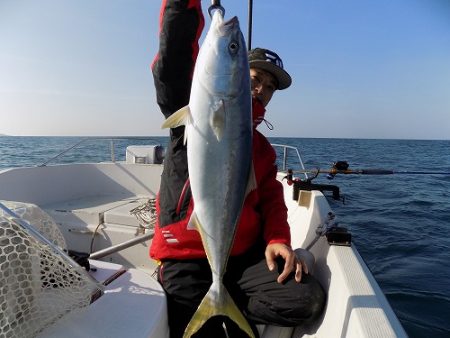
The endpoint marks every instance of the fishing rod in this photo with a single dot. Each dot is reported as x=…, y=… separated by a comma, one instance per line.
x=342, y=167
x=250, y=23
x=369, y=172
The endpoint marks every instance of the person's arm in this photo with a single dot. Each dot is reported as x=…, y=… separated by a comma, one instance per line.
x=270, y=194
x=181, y=24
x=276, y=227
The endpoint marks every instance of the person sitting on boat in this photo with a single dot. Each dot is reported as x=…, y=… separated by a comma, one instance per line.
x=263, y=275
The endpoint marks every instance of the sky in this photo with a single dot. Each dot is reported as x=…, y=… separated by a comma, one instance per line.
x=360, y=68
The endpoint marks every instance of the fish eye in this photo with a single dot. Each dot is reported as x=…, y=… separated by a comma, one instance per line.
x=233, y=47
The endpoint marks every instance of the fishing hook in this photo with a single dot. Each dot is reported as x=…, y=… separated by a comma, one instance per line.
x=215, y=5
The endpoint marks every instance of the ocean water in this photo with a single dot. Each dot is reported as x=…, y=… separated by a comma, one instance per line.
x=400, y=223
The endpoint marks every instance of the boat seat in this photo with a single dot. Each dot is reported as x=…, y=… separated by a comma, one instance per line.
x=133, y=305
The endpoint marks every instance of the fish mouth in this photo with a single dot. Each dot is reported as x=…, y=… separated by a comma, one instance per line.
x=229, y=25
x=232, y=22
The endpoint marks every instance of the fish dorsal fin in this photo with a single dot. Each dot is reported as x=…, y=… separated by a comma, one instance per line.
x=217, y=119
x=251, y=184
x=181, y=117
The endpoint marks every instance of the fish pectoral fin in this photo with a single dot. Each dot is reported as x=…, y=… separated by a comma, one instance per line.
x=217, y=119
x=181, y=117
x=251, y=184
x=210, y=307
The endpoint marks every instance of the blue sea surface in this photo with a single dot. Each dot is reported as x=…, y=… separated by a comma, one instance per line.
x=400, y=223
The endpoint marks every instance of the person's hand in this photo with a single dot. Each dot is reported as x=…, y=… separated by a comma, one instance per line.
x=275, y=250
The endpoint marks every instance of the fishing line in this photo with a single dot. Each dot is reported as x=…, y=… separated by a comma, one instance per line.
x=250, y=24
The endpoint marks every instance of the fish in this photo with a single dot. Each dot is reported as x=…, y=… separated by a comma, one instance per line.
x=218, y=133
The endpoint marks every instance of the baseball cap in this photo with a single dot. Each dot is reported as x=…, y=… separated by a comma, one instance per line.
x=269, y=61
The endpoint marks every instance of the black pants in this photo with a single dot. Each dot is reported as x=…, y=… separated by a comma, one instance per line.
x=252, y=286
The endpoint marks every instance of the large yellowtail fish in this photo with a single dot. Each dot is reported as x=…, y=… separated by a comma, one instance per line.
x=219, y=147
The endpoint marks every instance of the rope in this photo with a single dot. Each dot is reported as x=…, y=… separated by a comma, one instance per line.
x=146, y=214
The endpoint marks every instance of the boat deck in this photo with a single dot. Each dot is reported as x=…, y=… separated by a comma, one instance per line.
x=134, y=295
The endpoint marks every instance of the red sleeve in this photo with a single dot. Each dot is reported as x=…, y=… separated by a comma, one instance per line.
x=270, y=192
x=181, y=24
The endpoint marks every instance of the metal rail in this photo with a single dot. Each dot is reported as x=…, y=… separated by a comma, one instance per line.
x=121, y=246
x=106, y=138
x=285, y=149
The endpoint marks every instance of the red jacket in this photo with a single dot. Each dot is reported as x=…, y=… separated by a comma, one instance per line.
x=264, y=212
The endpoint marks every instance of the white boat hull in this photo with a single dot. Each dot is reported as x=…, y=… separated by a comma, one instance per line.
x=91, y=204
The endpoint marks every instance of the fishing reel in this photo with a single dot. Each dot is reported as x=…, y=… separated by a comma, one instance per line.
x=337, y=167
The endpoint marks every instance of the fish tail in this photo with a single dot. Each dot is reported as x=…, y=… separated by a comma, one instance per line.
x=209, y=308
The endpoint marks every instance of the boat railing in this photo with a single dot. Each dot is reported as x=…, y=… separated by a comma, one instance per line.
x=285, y=161
x=112, y=146
x=290, y=159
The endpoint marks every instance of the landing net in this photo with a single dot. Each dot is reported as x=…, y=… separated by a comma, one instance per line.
x=37, y=286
